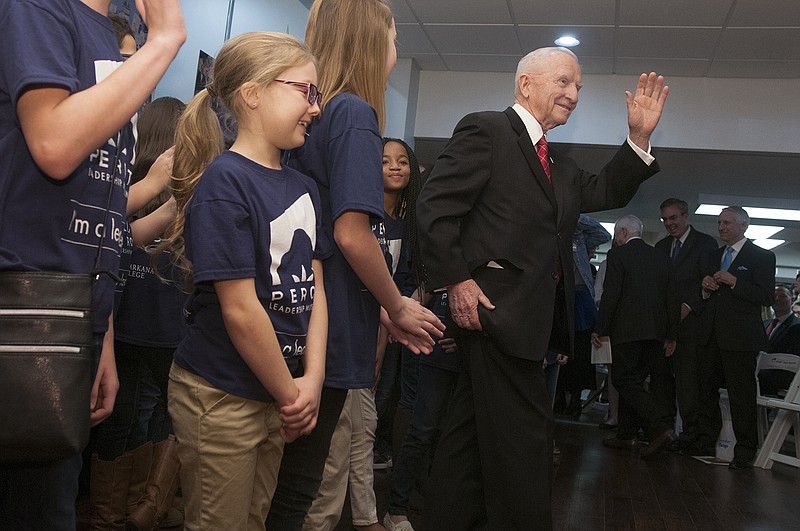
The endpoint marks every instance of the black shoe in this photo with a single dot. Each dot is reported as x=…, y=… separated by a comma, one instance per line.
x=740, y=463
x=678, y=445
x=699, y=450
x=621, y=444
x=658, y=444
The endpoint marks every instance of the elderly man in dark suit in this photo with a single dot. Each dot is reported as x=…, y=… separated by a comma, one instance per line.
x=783, y=335
x=686, y=247
x=496, y=218
x=639, y=313
x=739, y=279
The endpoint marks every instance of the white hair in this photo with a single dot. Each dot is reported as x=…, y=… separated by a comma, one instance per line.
x=536, y=60
x=630, y=223
x=742, y=217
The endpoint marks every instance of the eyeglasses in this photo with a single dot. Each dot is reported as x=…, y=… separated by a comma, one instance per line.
x=313, y=95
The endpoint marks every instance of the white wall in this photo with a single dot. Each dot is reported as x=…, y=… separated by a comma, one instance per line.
x=401, y=101
x=707, y=113
x=205, y=30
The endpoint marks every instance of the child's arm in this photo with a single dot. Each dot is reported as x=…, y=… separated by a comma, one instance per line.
x=145, y=230
x=152, y=184
x=411, y=324
x=63, y=129
x=301, y=416
x=252, y=334
x=106, y=383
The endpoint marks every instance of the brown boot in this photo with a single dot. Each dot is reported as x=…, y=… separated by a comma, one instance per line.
x=160, y=489
x=140, y=472
x=108, y=492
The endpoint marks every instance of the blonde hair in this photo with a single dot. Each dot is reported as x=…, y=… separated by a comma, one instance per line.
x=256, y=57
x=350, y=40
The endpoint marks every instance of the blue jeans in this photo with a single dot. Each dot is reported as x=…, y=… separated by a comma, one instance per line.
x=140, y=411
x=41, y=497
x=434, y=388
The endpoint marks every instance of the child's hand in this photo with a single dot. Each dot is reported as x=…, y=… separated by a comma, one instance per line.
x=301, y=415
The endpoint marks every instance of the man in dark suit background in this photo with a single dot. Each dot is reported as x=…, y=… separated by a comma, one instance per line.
x=783, y=332
x=496, y=218
x=686, y=247
x=639, y=313
x=783, y=335
x=739, y=279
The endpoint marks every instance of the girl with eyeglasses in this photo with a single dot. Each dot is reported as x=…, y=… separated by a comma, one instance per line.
x=354, y=43
x=248, y=234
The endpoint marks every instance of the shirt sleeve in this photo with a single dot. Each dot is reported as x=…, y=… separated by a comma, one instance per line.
x=38, y=48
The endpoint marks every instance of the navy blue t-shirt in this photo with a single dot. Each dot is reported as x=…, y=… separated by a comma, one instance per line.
x=344, y=155
x=52, y=225
x=150, y=311
x=400, y=255
x=248, y=221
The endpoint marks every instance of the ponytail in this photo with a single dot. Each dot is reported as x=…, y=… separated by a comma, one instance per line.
x=198, y=141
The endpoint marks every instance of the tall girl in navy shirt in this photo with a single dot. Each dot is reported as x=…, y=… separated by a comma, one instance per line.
x=247, y=376
x=354, y=43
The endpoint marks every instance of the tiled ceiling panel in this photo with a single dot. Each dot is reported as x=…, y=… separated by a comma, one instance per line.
x=586, y=12
x=673, y=12
x=718, y=38
x=474, y=39
x=457, y=11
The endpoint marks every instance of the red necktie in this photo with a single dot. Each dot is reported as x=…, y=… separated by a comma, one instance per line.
x=541, y=150
x=772, y=326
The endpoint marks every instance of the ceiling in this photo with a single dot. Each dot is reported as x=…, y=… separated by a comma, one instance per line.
x=687, y=38
x=691, y=38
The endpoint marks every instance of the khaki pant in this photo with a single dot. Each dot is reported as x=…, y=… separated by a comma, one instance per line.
x=350, y=458
x=230, y=450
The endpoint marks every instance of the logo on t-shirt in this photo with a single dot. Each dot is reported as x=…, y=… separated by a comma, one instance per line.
x=290, y=269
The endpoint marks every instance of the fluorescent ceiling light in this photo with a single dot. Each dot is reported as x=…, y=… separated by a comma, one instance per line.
x=759, y=232
x=567, y=40
x=608, y=226
x=767, y=243
x=753, y=212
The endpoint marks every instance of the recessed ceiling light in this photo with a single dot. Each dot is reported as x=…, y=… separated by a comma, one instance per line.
x=567, y=40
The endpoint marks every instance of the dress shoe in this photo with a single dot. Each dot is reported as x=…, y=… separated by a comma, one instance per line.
x=740, y=463
x=621, y=444
x=658, y=443
x=699, y=450
x=608, y=426
x=678, y=445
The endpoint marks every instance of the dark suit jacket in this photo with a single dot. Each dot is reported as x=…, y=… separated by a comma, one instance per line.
x=688, y=277
x=639, y=300
x=487, y=198
x=733, y=315
x=786, y=338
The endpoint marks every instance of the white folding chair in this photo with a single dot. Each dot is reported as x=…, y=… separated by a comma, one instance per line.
x=788, y=417
x=786, y=362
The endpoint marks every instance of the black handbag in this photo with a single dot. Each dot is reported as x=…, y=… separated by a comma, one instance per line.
x=47, y=359
x=46, y=365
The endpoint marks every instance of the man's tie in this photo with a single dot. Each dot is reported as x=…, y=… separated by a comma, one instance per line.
x=676, y=249
x=772, y=326
x=542, y=151
x=728, y=258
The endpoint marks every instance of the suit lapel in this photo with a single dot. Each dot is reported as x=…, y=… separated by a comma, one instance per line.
x=529, y=152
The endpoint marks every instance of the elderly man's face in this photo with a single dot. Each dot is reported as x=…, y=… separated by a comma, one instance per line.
x=730, y=230
x=551, y=93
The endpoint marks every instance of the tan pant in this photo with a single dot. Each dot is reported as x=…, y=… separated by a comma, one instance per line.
x=350, y=458
x=230, y=451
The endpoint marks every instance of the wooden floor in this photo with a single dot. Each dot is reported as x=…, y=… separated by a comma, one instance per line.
x=596, y=488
